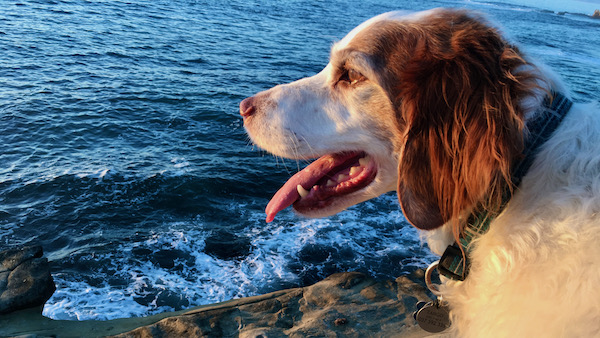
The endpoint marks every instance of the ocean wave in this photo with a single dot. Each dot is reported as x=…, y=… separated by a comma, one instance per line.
x=183, y=266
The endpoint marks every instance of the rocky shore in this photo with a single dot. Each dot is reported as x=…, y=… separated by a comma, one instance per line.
x=25, y=279
x=348, y=304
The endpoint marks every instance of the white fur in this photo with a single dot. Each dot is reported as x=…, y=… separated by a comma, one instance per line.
x=405, y=16
x=536, y=273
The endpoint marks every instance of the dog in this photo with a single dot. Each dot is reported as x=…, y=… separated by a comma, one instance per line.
x=486, y=151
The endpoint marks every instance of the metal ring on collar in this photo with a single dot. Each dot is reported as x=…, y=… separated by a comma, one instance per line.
x=432, y=287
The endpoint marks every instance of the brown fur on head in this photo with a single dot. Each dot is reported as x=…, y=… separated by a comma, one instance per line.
x=457, y=94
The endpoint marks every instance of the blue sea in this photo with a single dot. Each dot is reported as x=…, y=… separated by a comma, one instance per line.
x=123, y=154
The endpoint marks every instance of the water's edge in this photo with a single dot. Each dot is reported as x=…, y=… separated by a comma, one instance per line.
x=340, y=302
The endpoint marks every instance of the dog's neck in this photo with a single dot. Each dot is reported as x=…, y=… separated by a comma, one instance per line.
x=454, y=263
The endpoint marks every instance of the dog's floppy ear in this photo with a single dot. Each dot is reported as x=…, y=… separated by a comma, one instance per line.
x=415, y=188
x=460, y=122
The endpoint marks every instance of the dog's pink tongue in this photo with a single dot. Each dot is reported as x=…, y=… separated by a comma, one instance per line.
x=307, y=177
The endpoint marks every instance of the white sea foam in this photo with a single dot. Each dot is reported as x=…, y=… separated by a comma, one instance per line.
x=97, y=173
x=199, y=278
x=180, y=162
x=77, y=300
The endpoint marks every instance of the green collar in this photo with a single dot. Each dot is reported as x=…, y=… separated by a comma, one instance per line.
x=453, y=263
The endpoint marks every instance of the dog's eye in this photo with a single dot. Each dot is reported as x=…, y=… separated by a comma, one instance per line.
x=352, y=76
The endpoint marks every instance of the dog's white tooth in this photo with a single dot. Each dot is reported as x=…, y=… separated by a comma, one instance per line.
x=341, y=177
x=330, y=183
x=301, y=191
x=354, y=170
x=364, y=161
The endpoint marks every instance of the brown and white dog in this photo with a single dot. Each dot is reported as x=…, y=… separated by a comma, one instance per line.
x=438, y=106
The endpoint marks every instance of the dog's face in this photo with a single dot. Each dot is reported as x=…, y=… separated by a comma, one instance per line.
x=393, y=109
x=342, y=115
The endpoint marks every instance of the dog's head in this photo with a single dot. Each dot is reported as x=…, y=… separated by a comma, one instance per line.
x=427, y=104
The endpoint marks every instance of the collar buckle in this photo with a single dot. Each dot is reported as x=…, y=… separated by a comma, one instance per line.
x=452, y=265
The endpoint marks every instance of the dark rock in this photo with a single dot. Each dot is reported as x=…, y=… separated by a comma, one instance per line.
x=340, y=321
x=25, y=279
x=3, y=280
x=227, y=246
x=315, y=253
x=166, y=258
x=9, y=259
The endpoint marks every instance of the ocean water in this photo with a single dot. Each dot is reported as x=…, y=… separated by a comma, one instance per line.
x=122, y=152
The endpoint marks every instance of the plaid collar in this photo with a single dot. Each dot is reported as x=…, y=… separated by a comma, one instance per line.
x=453, y=264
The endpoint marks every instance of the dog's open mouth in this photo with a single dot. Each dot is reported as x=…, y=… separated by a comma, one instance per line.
x=322, y=182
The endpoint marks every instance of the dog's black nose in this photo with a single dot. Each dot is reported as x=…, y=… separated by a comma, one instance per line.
x=247, y=107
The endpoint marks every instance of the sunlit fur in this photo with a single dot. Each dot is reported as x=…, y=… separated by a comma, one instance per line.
x=445, y=103
x=536, y=272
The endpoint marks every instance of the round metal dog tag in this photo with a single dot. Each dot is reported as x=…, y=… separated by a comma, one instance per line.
x=433, y=318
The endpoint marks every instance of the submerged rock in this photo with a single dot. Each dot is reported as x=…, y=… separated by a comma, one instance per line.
x=346, y=304
x=25, y=279
x=226, y=245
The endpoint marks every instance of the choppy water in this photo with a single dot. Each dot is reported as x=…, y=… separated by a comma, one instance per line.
x=123, y=154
